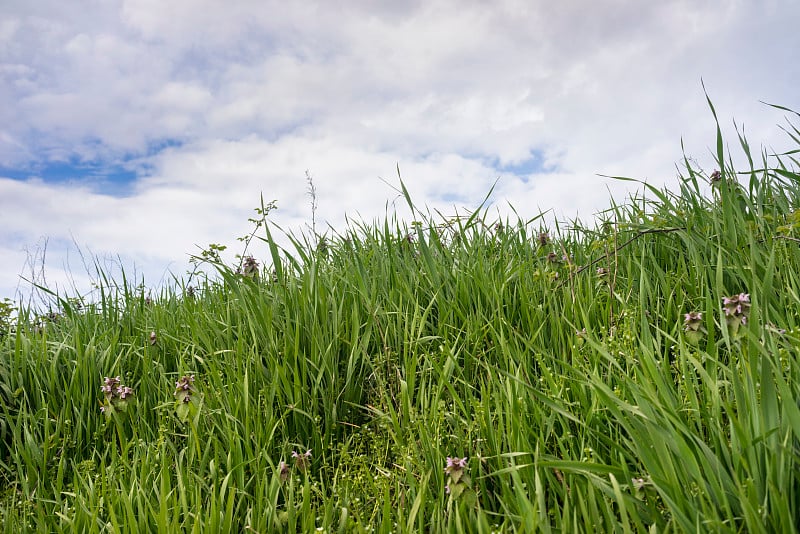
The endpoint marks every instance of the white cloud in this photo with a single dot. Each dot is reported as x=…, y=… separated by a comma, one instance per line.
x=249, y=95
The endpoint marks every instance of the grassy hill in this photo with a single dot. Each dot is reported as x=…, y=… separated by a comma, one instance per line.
x=461, y=375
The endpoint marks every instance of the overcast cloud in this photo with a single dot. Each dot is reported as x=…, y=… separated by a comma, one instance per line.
x=138, y=129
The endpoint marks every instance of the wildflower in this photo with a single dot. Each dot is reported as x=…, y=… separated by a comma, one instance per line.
x=602, y=271
x=301, y=461
x=153, y=338
x=693, y=327
x=283, y=471
x=184, y=388
x=737, y=307
x=715, y=177
x=109, y=386
x=552, y=257
x=458, y=480
x=249, y=268
x=455, y=464
x=455, y=468
x=184, y=395
x=737, y=310
x=692, y=321
x=185, y=383
x=544, y=238
x=116, y=395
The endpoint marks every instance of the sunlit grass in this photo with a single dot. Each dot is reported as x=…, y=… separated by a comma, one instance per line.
x=447, y=375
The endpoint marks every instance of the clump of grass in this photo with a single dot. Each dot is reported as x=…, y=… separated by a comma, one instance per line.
x=449, y=375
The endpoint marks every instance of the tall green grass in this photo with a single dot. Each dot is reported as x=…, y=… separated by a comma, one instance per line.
x=553, y=359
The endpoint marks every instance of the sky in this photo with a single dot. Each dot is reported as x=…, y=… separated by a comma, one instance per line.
x=133, y=133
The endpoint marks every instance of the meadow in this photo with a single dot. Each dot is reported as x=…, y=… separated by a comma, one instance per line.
x=464, y=374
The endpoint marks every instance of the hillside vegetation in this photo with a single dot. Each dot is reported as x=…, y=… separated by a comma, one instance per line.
x=451, y=375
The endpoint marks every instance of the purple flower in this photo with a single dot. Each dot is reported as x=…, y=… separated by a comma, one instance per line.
x=737, y=309
x=301, y=461
x=110, y=383
x=283, y=471
x=249, y=268
x=457, y=478
x=737, y=304
x=455, y=464
x=693, y=327
x=184, y=388
x=543, y=239
x=692, y=321
x=116, y=395
x=110, y=386
x=185, y=383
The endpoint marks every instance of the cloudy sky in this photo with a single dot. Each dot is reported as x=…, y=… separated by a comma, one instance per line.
x=132, y=131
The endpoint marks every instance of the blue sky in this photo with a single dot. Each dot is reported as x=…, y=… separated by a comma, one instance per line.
x=135, y=130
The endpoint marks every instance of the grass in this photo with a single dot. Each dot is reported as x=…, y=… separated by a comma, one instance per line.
x=451, y=375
